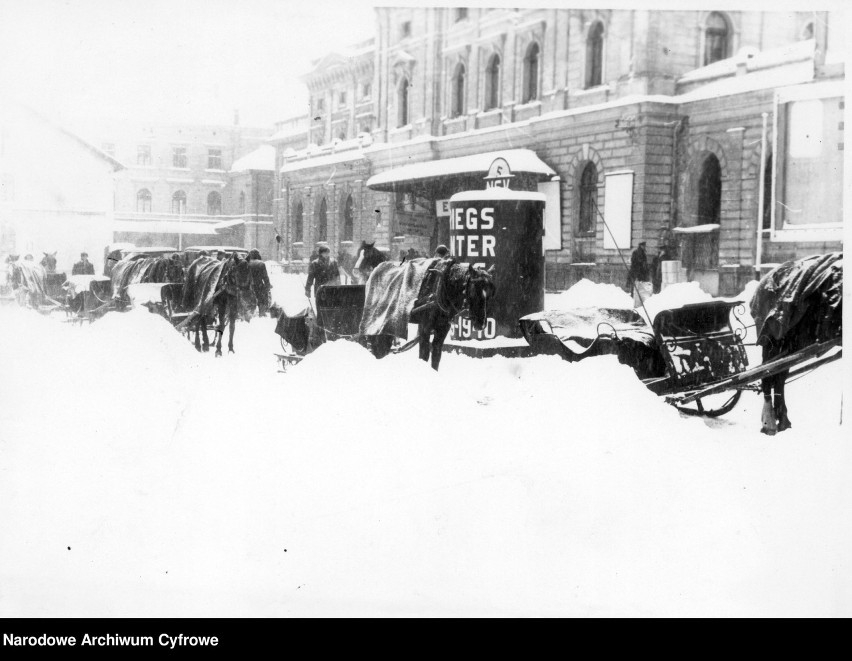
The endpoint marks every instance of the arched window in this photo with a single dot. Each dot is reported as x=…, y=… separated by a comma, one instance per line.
x=457, y=103
x=594, y=55
x=298, y=223
x=710, y=191
x=530, y=92
x=716, y=33
x=179, y=203
x=214, y=204
x=143, y=201
x=402, y=102
x=588, y=200
x=242, y=202
x=322, y=222
x=492, y=83
x=348, y=220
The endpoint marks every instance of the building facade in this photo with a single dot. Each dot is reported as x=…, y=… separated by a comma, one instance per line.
x=705, y=131
x=192, y=184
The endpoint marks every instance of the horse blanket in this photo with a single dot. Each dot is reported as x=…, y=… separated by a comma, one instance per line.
x=813, y=285
x=391, y=292
x=32, y=278
x=202, y=285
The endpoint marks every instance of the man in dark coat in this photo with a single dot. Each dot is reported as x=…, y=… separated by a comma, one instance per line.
x=638, y=266
x=259, y=281
x=322, y=270
x=84, y=266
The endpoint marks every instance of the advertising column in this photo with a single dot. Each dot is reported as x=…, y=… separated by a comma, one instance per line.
x=501, y=228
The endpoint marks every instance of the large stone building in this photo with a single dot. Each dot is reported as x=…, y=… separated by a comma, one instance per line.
x=706, y=130
x=56, y=189
x=192, y=184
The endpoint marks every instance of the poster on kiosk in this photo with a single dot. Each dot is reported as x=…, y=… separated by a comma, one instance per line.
x=503, y=228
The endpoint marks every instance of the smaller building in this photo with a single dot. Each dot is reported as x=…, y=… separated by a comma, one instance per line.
x=56, y=189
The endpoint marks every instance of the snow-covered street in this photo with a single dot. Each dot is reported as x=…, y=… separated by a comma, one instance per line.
x=140, y=478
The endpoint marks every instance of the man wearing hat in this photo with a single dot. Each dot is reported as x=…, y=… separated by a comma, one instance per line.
x=84, y=266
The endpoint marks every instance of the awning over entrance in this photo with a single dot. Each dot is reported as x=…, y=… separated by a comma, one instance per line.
x=519, y=160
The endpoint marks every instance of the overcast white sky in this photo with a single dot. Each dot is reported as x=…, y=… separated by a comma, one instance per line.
x=171, y=60
x=198, y=60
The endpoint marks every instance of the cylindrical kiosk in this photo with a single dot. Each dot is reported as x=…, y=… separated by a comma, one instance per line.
x=502, y=228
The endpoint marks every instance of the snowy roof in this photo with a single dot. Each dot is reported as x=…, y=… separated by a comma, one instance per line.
x=520, y=160
x=162, y=227
x=262, y=158
x=498, y=194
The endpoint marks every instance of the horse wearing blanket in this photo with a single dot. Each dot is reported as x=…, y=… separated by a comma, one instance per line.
x=797, y=304
x=428, y=292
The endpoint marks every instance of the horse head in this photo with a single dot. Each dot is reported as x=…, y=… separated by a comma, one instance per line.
x=237, y=275
x=479, y=294
x=49, y=261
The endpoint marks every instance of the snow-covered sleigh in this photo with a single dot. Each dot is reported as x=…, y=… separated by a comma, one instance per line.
x=693, y=355
x=338, y=314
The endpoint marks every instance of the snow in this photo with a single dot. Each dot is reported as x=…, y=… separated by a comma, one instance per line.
x=262, y=158
x=141, y=478
x=587, y=294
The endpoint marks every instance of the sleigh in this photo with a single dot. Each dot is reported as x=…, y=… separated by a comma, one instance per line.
x=693, y=356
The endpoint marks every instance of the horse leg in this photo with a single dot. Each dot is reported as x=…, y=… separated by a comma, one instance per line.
x=232, y=320
x=438, y=343
x=780, y=405
x=767, y=415
x=220, y=328
x=203, y=324
x=423, y=338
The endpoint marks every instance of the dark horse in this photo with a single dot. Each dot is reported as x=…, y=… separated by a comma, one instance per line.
x=369, y=257
x=447, y=289
x=49, y=262
x=795, y=305
x=218, y=287
x=434, y=290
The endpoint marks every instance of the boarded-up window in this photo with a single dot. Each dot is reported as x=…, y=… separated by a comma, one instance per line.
x=552, y=215
x=618, y=210
x=809, y=170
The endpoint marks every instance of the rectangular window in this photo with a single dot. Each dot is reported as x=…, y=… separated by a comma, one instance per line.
x=405, y=29
x=341, y=100
x=179, y=157
x=143, y=155
x=320, y=104
x=808, y=161
x=366, y=91
x=214, y=159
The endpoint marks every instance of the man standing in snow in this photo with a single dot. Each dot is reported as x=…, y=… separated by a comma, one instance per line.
x=323, y=270
x=638, y=280
x=260, y=284
x=84, y=266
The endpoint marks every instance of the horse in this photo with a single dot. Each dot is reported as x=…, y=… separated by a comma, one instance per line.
x=447, y=290
x=49, y=261
x=139, y=269
x=215, y=286
x=28, y=283
x=797, y=304
x=427, y=291
x=369, y=257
